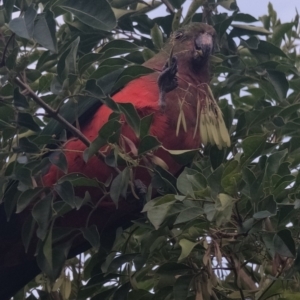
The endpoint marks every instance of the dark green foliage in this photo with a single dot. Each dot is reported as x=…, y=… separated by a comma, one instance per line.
x=227, y=227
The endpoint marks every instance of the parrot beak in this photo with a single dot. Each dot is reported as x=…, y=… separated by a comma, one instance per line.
x=204, y=45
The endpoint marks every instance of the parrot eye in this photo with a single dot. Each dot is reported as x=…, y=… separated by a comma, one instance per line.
x=178, y=35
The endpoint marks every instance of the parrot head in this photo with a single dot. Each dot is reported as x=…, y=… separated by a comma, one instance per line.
x=195, y=42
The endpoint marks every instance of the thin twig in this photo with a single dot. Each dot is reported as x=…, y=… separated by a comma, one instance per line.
x=53, y=113
x=169, y=6
x=56, y=116
x=236, y=278
x=94, y=208
x=2, y=63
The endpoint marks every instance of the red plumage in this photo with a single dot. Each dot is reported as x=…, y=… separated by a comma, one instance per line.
x=143, y=93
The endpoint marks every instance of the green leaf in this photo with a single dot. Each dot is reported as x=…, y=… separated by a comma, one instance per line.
x=147, y=144
x=71, y=58
x=106, y=83
x=61, y=208
x=87, y=60
x=122, y=292
x=79, y=202
x=228, y=4
x=145, y=124
x=178, y=14
x=25, y=177
x=78, y=179
x=284, y=243
x=9, y=8
x=66, y=191
x=44, y=31
x=246, y=226
x=109, y=65
x=147, y=54
x=27, y=197
x=91, y=234
x=251, y=43
x=186, y=248
x=25, y=145
x=107, y=130
x=159, y=213
x=253, y=146
x=45, y=82
x=163, y=181
x=59, y=256
x=59, y=160
x=47, y=247
x=177, y=3
x=197, y=180
x=231, y=176
x=129, y=74
x=262, y=214
x=270, y=48
x=2, y=16
x=131, y=115
x=24, y=26
x=184, y=185
x=279, y=82
x=267, y=112
x=172, y=268
x=157, y=37
x=117, y=47
x=246, y=18
x=19, y=99
x=224, y=202
x=42, y=212
x=94, y=89
x=272, y=164
x=240, y=30
x=26, y=120
x=266, y=208
x=182, y=157
x=221, y=211
x=288, y=111
x=182, y=286
x=10, y=198
x=217, y=156
x=119, y=13
x=189, y=214
x=28, y=229
x=119, y=186
x=3, y=186
x=167, y=199
x=95, y=13
x=279, y=32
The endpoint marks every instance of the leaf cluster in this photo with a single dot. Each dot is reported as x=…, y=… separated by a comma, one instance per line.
x=226, y=227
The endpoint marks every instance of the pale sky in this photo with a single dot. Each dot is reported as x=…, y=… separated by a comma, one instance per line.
x=286, y=9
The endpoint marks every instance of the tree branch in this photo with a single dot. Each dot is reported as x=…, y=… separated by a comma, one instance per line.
x=169, y=6
x=2, y=63
x=53, y=113
x=56, y=116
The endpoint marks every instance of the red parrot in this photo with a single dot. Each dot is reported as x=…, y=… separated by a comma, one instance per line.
x=178, y=88
x=160, y=93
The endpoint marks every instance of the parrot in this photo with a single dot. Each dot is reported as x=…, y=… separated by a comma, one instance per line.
x=184, y=115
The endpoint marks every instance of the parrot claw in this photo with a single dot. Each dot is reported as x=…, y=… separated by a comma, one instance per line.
x=167, y=80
